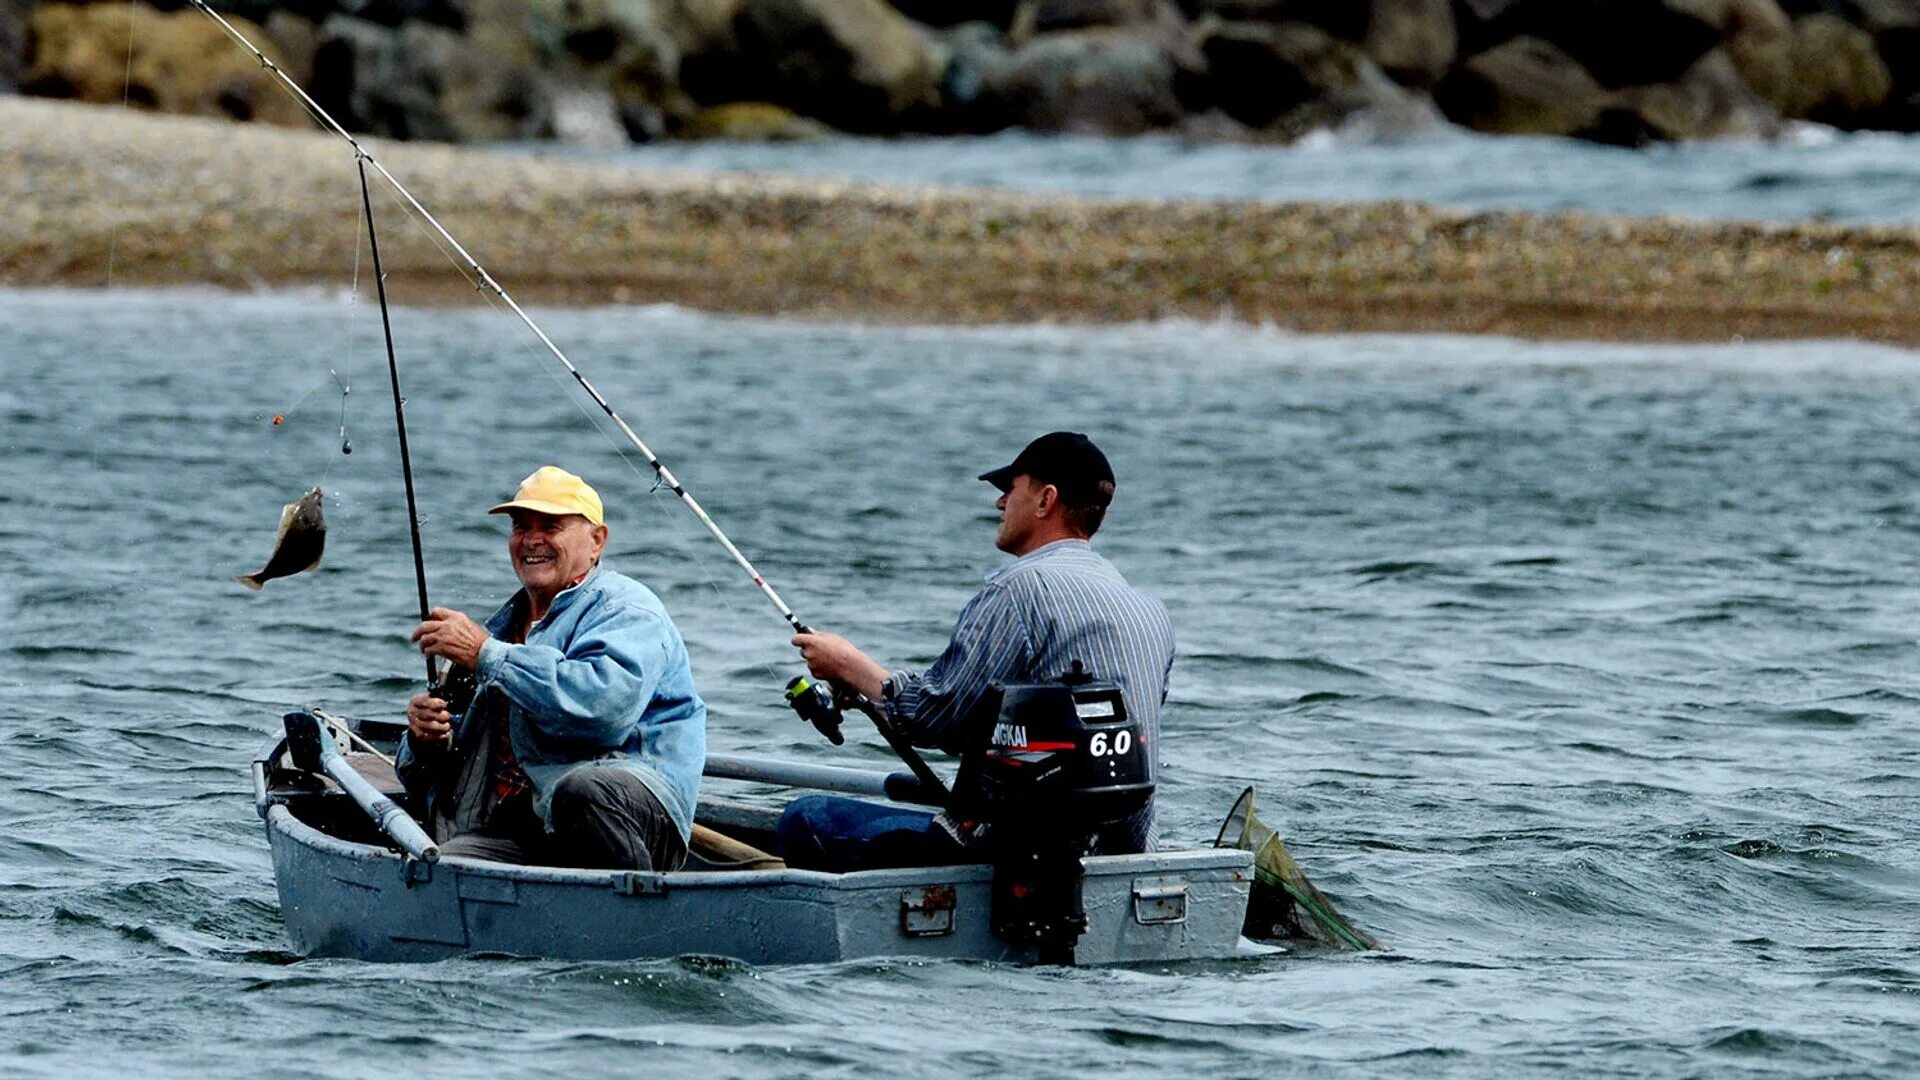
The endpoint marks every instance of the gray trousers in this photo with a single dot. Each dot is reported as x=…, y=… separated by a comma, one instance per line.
x=603, y=819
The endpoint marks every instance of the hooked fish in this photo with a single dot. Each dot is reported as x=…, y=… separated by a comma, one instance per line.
x=302, y=537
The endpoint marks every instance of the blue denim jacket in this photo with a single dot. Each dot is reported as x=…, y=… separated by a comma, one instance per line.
x=602, y=681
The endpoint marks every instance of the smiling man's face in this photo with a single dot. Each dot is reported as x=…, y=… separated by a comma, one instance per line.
x=550, y=550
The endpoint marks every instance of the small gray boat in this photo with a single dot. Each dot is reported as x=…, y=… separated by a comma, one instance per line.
x=358, y=879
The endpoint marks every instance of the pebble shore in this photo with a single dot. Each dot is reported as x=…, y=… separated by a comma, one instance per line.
x=98, y=196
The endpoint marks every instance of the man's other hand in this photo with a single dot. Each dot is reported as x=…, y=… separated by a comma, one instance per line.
x=451, y=634
x=428, y=719
x=834, y=658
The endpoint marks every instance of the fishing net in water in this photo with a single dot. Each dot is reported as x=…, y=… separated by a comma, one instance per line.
x=1283, y=903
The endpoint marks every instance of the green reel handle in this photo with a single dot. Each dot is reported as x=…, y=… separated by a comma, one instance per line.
x=815, y=703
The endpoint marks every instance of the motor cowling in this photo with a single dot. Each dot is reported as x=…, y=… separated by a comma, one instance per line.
x=1054, y=764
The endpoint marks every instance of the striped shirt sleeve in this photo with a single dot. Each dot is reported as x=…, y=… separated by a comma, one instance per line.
x=990, y=643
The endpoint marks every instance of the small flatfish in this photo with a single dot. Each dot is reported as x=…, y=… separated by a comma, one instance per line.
x=303, y=536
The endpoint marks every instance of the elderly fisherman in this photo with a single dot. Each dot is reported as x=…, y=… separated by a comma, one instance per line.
x=1057, y=602
x=585, y=739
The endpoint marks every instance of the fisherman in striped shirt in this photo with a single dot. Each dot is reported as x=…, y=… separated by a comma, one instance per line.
x=1057, y=602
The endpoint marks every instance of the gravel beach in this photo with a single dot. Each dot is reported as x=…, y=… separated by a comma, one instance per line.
x=100, y=196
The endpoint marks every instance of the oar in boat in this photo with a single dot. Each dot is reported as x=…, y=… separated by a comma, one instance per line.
x=314, y=750
x=894, y=786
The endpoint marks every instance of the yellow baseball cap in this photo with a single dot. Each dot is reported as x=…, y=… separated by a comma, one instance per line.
x=553, y=490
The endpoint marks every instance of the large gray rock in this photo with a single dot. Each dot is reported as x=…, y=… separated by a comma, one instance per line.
x=1524, y=87
x=1413, y=41
x=1838, y=75
x=1895, y=26
x=13, y=42
x=382, y=80
x=858, y=65
x=1710, y=101
x=1287, y=79
x=1257, y=73
x=173, y=62
x=1758, y=39
x=1105, y=80
x=1875, y=16
x=579, y=70
x=296, y=37
x=973, y=50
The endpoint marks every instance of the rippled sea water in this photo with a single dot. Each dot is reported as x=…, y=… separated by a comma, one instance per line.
x=1813, y=172
x=1584, y=676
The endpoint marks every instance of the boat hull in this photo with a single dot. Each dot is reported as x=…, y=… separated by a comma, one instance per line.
x=342, y=898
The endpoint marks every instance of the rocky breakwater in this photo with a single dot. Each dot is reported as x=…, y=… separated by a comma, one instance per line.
x=613, y=71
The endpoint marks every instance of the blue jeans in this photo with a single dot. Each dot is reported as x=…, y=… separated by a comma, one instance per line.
x=826, y=832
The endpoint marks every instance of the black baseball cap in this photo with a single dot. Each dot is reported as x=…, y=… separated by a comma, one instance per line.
x=1066, y=459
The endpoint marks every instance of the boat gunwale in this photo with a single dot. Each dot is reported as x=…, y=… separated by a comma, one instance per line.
x=280, y=817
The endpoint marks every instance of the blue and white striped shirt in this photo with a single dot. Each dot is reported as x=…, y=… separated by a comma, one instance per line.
x=1054, y=605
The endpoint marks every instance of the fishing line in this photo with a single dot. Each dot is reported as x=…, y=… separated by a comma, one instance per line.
x=486, y=282
x=126, y=88
x=676, y=524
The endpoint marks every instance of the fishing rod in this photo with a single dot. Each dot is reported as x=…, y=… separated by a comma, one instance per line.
x=399, y=417
x=486, y=283
x=825, y=719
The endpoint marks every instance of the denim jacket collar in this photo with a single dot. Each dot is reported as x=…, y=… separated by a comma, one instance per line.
x=510, y=612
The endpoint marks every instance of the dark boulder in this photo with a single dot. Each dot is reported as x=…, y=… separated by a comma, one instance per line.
x=1895, y=26
x=1413, y=41
x=948, y=13
x=1479, y=25
x=1758, y=38
x=1619, y=42
x=1526, y=86
x=13, y=42
x=1257, y=73
x=1710, y=101
x=1346, y=19
x=1838, y=76
x=1106, y=81
x=376, y=79
x=1049, y=16
x=973, y=49
x=857, y=65
x=1287, y=79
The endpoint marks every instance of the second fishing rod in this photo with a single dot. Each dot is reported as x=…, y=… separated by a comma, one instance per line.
x=814, y=701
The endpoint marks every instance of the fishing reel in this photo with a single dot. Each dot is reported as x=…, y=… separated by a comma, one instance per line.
x=818, y=705
x=454, y=685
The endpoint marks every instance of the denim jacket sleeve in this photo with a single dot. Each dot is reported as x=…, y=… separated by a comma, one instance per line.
x=597, y=690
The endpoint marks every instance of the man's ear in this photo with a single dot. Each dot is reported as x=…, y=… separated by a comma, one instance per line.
x=1047, y=498
x=599, y=540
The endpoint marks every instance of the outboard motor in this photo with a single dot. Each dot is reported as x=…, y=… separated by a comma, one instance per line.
x=1057, y=763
